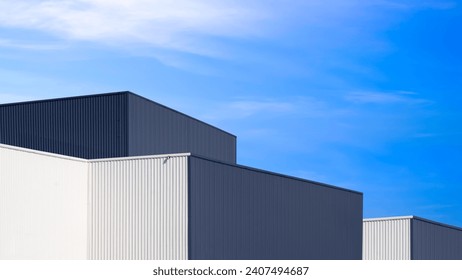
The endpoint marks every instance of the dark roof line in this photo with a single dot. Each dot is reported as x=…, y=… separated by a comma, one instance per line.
x=276, y=174
x=437, y=223
x=109, y=94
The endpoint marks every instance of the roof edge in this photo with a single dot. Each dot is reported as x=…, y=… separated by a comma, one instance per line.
x=48, y=154
x=437, y=223
x=277, y=174
x=412, y=217
x=181, y=113
x=388, y=218
x=114, y=93
x=139, y=157
x=66, y=98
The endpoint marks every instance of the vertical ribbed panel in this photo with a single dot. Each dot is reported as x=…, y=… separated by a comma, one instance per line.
x=110, y=125
x=43, y=206
x=242, y=213
x=387, y=239
x=85, y=127
x=156, y=129
x=138, y=209
x=434, y=241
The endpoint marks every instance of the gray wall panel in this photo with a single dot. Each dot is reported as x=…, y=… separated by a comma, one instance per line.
x=156, y=129
x=85, y=127
x=434, y=241
x=242, y=213
x=138, y=209
x=110, y=125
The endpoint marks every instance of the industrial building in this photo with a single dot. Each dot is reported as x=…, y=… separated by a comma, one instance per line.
x=410, y=238
x=116, y=176
x=118, y=124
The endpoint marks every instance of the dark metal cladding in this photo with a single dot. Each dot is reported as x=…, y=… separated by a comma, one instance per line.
x=435, y=241
x=86, y=127
x=156, y=129
x=237, y=212
x=110, y=125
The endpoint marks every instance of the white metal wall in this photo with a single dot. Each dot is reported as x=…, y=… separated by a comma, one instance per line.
x=387, y=239
x=43, y=205
x=138, y=208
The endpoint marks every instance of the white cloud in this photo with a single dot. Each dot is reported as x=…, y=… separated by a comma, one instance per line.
x=160, y=23
x=246, y=108
x=166, y=29
x=397, y=97
x=29, y=45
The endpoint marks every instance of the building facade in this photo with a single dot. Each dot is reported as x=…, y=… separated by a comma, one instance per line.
x=176, y=206
x=119, y=124
x=410, y=238
x=117, y=176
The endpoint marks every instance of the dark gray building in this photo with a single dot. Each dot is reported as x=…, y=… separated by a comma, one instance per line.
x=109, y=125
x=237, y=212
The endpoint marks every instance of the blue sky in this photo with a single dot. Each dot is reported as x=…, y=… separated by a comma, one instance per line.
x=361, y=94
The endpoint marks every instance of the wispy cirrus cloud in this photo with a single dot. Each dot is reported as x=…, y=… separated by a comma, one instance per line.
x=248, y=108
x=26, y=45
x=189, y=25
x=241, y=109
x=393, y=97
x=160, y=23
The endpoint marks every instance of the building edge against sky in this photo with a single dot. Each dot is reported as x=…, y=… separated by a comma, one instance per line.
x=192, y=190
x=410, y=238
x=232, y=211
x=177, y=206
x=118, y=124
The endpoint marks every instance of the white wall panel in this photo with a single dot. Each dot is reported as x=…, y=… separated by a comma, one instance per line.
x=138, y=208
x=43, y=205
x=387, y=239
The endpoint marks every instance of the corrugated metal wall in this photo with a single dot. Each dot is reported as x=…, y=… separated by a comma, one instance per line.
x=85, y=127
x=434, y=241
x=138, y=209
x=155, y=129
x=242, y=213
x=110, y=125
x=43, y=206
x=387, y=239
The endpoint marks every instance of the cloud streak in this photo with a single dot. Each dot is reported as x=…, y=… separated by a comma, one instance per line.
x=183, y=25
x=384, y=98
x=161, y=23
x=30, y=45
x=242, y=109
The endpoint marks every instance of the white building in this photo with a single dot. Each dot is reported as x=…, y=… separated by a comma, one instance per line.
x=410, y=238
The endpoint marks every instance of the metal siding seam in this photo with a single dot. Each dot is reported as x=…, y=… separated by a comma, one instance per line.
x=89, y=212
x=187, y=217
x=411, y=237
